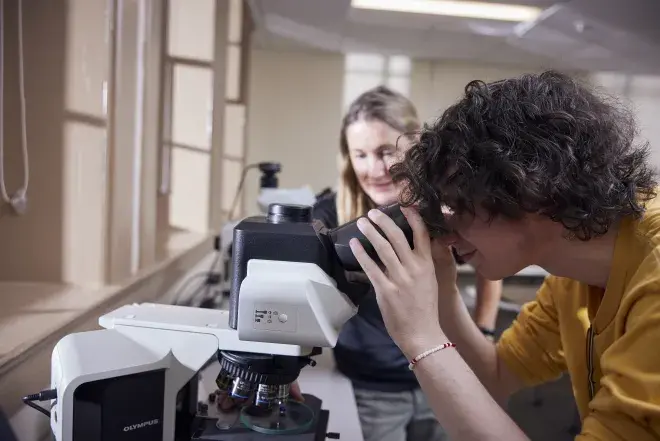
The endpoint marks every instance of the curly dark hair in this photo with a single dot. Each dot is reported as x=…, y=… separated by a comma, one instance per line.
x=540, y=143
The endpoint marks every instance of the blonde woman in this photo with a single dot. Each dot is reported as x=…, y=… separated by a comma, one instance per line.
x=376, y=129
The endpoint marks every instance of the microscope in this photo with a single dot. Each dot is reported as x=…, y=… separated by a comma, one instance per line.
x=269, y=193
x=138, y=378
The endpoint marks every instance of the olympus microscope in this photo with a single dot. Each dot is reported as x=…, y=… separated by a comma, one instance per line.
x=138, y=378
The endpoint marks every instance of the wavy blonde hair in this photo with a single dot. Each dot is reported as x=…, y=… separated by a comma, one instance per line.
x=379, y=104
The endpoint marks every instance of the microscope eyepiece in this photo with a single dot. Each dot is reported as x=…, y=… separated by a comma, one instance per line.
x=341, y=236
x=269, y=171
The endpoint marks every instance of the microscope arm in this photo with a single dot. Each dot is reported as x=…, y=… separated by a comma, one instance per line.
x=285, y=308
x=162, y=320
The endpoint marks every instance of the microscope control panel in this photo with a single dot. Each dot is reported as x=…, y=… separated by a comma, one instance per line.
x=272, y=317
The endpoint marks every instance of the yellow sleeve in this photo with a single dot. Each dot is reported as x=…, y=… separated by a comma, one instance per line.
x=627, y=405
x=531, y=348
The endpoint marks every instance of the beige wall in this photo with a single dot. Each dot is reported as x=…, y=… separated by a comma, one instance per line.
x=82, y=136
x=435, y=85
x=294, y=111
x=296, y=100
x=296, y=103
x=31, y=245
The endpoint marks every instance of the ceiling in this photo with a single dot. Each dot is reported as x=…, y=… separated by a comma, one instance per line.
x=620, y=35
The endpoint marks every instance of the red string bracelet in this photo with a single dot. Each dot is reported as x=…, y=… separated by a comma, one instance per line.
x=425, y=354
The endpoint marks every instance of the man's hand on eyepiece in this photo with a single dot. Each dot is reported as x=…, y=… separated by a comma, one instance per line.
x=407, y=290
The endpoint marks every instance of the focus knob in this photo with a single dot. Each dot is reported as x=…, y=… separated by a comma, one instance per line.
x=279, y=213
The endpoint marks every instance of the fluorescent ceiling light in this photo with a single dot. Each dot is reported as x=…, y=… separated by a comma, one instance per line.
x=454, y=8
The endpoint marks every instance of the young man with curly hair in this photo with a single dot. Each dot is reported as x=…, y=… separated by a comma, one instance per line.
x=538, y=170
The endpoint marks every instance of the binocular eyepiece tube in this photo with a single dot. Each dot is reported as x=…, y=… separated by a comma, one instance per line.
x=289, y=233
x=342, y=235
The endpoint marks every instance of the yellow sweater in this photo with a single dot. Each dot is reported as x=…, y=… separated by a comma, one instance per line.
x=551, y=336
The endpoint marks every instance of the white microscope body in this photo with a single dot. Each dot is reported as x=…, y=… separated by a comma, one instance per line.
x=285, y=308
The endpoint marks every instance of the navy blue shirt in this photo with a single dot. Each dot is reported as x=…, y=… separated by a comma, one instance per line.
x=365, y=352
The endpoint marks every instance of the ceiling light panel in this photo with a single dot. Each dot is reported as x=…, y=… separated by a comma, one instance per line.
x=454, y=8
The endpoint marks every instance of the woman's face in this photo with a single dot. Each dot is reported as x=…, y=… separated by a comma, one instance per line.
x=372, y=148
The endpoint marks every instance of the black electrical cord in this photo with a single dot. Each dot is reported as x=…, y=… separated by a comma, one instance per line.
x=44, y=395
x=269, y=171
x=234, y=203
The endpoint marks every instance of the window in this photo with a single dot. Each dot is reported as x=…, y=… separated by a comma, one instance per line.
x=235, y=118
x=363, y=71
x=153, y=137
x=188, y=130
x=201, y=171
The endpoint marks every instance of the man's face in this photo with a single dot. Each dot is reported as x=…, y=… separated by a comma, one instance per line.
x=496, y=249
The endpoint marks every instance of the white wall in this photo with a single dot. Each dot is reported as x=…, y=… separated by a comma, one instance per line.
x=294, y=111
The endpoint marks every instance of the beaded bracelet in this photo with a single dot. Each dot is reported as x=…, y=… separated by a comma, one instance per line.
x=425, y=354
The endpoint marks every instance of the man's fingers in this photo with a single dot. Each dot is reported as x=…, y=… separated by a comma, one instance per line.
x=380, y=244
x=371, y=270
x=227, y=404
x=421, y=236
x=393, y=233
x=441, y=250
x=295, y=392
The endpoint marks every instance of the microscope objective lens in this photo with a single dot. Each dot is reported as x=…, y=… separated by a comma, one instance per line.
x=224, y=381
x=282, y=398
x=241, y=388
x=266, y=395
x=283, y=393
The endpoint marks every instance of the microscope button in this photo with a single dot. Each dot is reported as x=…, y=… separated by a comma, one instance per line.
x=282, y=318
